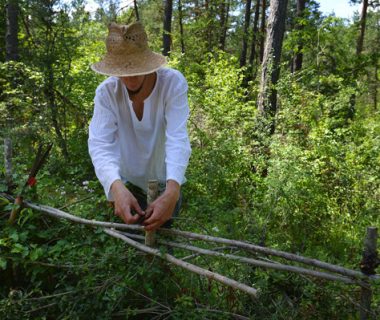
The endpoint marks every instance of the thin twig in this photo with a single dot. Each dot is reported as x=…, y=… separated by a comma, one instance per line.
x=150, y=299
x=258, y=263
x=214, y=249
x=52, y=295
x=151, y=310
x=231, y=314
x=76, y=202
x=43, y=307
x=193, y=268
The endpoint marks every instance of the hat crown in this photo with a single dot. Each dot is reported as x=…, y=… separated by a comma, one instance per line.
x=126, y=39
x=128, y=53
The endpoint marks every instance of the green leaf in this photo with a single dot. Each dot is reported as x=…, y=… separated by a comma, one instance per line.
x=36, y=253
x=3, y=263
x=17, y=248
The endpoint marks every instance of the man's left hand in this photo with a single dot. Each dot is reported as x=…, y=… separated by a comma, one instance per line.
x=161, y=210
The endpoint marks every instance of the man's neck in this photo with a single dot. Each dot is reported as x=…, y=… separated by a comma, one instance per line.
x=137, y=91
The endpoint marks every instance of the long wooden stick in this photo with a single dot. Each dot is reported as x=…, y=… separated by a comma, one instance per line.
x=188, y=266
x=273, y=252
x=323, y=265
x=257, y=263
x=64, y=215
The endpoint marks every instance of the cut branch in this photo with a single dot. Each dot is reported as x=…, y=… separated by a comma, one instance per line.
x=257, y=263
x=239, y=244
x=269, y=251
x=193, y=268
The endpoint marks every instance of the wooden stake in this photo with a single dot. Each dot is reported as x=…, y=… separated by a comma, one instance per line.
x=150, y=236
x=368, y=264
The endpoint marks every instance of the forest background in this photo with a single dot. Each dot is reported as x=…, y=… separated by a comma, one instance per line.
x=285, y=134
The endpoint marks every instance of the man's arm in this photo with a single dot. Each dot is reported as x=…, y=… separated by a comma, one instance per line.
x=177, y=150
x=103, y=143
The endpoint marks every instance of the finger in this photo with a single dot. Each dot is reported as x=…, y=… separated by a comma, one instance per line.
x=151, y=218
x=134, y=219
x=137, y=208
x=153, y=226
x=127, y=217
x=148, y=212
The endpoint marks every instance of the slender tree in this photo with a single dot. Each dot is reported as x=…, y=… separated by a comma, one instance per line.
x=136, y=9
x=359, y=48
x=298, y=58
x=267, y=100
x=262, y=28
x=363, y=17
x=167, y=27
x=11, y=54
x=247, y=20
x=224, y=14
x=180, y=21
x=252, y=70
x=11, y=38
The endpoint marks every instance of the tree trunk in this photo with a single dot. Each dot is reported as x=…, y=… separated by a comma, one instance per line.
x=363, y=18
x=50, y=95
x=167, y=27
x=298, y=58
x=262, y=29
x=180, y=18
x=224, y=13
x=11, y=54
x=136, y=10
x=247, y=18
x=267, y=100
x=11, y=37
x=359, y=48
x=375, y=91
x=252, y=70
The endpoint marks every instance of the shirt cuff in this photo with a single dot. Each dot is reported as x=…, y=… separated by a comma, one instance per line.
x=107, y=184
x=177, y=174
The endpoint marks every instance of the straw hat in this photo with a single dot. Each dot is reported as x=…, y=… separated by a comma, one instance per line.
x=128, y=53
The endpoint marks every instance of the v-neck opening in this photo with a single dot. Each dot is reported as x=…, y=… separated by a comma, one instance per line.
x=142, y=113
x=144, y=102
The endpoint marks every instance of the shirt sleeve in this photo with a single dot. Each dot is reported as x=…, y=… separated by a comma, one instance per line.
x=177, y=146
x=103, y=142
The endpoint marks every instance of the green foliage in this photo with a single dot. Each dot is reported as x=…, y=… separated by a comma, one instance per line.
x=311, y=188
x=21, y=102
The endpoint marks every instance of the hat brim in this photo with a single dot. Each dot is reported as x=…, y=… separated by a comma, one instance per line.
x=131, y=65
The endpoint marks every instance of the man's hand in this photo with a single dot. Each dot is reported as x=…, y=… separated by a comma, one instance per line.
x=161, y=210
x=125, y=202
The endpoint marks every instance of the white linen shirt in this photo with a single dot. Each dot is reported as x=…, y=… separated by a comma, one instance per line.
x=155, y=148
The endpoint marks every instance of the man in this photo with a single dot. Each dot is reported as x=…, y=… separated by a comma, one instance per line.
x=138, y=130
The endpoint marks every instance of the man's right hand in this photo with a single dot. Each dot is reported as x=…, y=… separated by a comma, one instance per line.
x=125, y=202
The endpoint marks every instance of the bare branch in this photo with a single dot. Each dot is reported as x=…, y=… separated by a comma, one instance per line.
x=269, y=251
x=258, y=263
x=240, y=244
x=193, y=268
